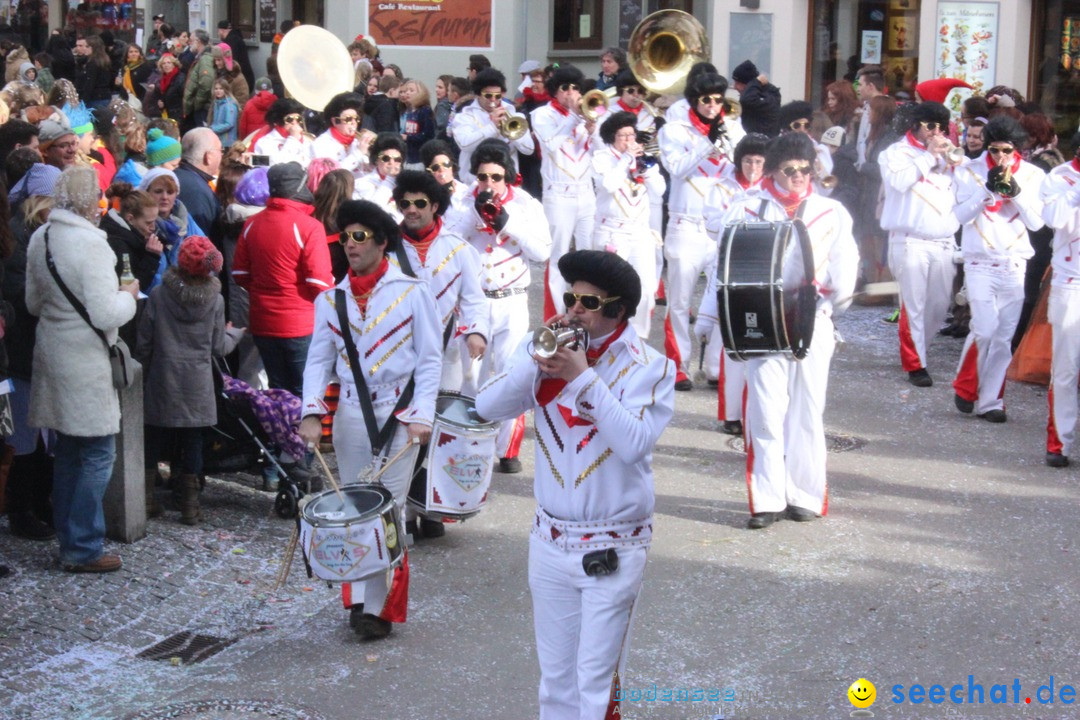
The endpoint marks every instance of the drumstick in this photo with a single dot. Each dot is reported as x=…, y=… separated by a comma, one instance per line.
x=286, y=564
x=329, y=475
x=393, y=460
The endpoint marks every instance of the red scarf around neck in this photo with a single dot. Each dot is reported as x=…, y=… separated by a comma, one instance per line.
x=1076, y=164
x=551, y=387
x=743, y=181
x=345, y=140
x=422, y=242
x=914, y=142
x=363, y=285
x=558, y=107
x=627, y=108
x=790, y=201
x=167, y=79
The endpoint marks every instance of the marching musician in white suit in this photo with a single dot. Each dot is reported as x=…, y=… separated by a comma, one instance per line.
x=626, y=181
x=388, y=154
x=284, y=140
x=566, y=144
x=997, y=202
x=918, y=213
x=631, y=98
x=691, y=151
x=597, y=417
x=480, y=120
x=508, y=229
x=393, y=323
x=743, y=181
x=1061, y=210
x=343, y=141
x=785, y=399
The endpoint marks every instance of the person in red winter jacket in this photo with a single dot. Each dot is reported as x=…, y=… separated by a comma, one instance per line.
x=253, y=115
x=282, y=261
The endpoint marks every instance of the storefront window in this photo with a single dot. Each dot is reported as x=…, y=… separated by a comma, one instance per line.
x=1056, y=64
x=848, y=34
x=93, y=18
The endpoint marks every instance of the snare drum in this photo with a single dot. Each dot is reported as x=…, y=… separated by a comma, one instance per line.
x=352, y=540
x=452, y=481
x=765, y=290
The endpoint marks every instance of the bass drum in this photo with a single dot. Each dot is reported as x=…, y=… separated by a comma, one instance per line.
x=352, y=537
x=765, y=288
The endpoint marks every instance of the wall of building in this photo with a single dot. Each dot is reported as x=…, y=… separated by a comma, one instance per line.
x=789, y=38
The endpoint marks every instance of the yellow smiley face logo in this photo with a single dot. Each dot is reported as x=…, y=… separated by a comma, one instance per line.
x=862, y=693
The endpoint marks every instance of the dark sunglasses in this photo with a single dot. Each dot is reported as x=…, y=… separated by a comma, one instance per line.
x=589, y=302
x=634, y=90
x=348, y=120
x=293, y=119
x=357, y=236
x=491, y=96
x=711, y=99
x=418, y=204
x=567, y=87
x=799, y=125
x=1002, y=150
x=390, y=158
x=494, y=177
x=793, y=170
x=931, y=126
x=436, y=167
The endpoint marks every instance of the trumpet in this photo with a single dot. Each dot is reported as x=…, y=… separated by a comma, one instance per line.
x=1003, y=186
x=827, y=182
x=490, y=209
x=547, y=339
x=953, y=155
x=513, y=127
x=593, y=104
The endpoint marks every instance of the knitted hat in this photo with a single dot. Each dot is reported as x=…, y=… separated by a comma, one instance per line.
x=50, y=130
x=263, y=84
x=160, y=148
x=153, y=174
x=833, y=137
x=253, y=188
x=936, y=90
x=226, y=55
x=81, y=119
x=744, y=72
x=198, y=256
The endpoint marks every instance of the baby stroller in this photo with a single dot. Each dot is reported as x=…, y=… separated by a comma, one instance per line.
x=248, y=439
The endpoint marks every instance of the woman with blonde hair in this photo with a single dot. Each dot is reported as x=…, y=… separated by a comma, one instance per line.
x=417, y=121
x=85, y=413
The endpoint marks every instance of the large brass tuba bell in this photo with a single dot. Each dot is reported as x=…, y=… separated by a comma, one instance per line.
x=593, y=104
x=663, y=48
x=314, y=65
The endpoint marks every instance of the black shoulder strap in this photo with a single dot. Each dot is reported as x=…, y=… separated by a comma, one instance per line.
x=403, y=259
x=75, y=303
x=378, y=437
x=761, y=210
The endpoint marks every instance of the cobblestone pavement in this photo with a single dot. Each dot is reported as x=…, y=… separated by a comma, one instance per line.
x=949, y=551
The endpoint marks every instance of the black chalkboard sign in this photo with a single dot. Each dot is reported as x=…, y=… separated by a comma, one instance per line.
x=267, y=20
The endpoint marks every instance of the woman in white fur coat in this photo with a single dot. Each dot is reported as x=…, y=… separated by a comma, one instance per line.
x=71, y=390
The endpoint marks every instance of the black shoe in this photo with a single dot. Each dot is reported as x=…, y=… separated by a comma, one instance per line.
x=798, y=514
x=367, y=626
x=509, y=466
x=994, y=416
x=920, y=378
x=1054, y=459
x=964, y=406
x=432, y=528
x=733, y=427
x=960, y=331
x=684, y=385
x=713, y=383
x=25, y=525
x=661, y=302
x=4, y=571
x=761, y=520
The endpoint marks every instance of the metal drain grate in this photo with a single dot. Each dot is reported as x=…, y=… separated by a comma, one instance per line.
x=226, y=710
x=187, y=646
x=833, y=443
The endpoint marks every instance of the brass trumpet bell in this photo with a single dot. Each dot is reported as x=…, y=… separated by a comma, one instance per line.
x=513, y=127
x=548, y=340
x=663, y=48
x=593, y=104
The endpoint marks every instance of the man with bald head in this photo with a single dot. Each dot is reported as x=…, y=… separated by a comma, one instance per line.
x=200, y=160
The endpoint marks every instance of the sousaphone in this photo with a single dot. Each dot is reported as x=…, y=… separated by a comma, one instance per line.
x=314, y=65
x=663, y=48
